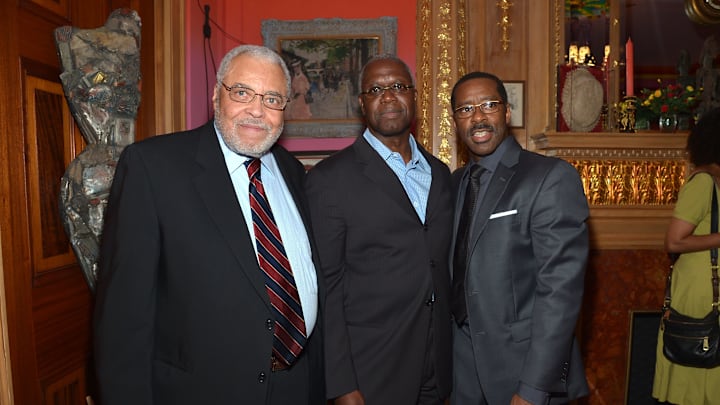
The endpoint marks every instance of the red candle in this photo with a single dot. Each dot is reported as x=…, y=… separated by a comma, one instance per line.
x=629, y=64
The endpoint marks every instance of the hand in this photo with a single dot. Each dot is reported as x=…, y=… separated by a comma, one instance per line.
x=516, y=400
x=351, y=398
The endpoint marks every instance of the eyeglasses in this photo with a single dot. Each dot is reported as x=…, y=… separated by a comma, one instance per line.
x=397, y=88
x=241, y=94
x=487, y=107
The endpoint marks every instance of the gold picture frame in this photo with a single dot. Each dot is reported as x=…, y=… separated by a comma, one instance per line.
x=325, y=57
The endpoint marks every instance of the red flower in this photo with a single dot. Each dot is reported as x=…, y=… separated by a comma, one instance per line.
x=664, y=108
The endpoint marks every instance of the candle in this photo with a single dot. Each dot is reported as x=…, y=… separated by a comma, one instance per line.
x=607, y=54
x=573, y=54
x=629, y=63
x=583, y=53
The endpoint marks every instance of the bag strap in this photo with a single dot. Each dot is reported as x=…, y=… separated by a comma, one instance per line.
x=715, y=281
x=714, y=251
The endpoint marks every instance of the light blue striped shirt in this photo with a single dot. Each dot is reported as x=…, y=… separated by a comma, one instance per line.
x=415, y=176
x=287, y=217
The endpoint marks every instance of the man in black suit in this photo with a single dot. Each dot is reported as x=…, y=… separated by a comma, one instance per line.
x=519, y=265
x=382, y=217
x=183, y=311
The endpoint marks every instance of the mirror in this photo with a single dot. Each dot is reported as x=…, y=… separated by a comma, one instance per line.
x=587, y=25
x=667, y=43
x=668, y=37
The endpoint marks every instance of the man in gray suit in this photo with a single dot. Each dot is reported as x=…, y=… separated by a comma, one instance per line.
x=520, y=250
x=381, y=213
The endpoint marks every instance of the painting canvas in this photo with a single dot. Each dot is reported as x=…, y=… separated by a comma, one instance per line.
x=325, y=57
x=516, y=103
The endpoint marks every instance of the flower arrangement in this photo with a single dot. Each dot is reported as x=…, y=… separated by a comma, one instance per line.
x=670, y=99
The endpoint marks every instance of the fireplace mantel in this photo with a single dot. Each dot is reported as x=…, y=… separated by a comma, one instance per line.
x=631, y=181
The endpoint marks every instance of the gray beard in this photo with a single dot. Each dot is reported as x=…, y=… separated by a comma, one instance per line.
x=234, y=142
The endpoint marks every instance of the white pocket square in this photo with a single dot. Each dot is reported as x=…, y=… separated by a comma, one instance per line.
x=503, y=214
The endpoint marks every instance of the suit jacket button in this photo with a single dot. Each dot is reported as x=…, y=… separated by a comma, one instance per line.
x=261, y=378
x=269, y=324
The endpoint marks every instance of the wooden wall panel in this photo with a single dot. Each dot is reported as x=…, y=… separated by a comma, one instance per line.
x=51, y=143
x=47, y=301
x=69, y=390
x=526, y=58
x=59, y=7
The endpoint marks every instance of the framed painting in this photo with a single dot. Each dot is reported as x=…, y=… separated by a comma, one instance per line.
x=310, y=158
x=516, y=102
x=325, y=57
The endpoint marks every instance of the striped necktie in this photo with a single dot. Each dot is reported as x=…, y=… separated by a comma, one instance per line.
x=289, y=335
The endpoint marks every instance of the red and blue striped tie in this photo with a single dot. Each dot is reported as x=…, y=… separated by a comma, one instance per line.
x=290, y=335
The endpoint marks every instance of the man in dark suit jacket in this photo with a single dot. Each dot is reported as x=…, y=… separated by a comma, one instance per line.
x=183, y=315
x=520, y=280
x=382, y=217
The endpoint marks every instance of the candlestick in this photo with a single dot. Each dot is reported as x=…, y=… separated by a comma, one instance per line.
x=629, y=65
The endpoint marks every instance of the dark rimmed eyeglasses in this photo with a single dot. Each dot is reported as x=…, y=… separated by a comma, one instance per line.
x=487, y=107
x=397, y=88
x=242, y=94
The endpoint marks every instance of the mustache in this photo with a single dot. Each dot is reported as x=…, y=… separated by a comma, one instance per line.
x=481, y=127
x=253, y=122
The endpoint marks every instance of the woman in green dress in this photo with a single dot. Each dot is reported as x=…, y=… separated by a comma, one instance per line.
x=689, y=234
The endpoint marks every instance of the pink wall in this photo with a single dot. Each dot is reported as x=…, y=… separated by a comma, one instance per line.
x=241, y=20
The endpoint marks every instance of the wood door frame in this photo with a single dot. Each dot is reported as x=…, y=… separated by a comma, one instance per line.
x=6, y=389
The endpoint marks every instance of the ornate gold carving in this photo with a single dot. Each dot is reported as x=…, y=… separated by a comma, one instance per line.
x=441, y=59
x=558, y=52
x=620, y=153
x=444, y=79
x=424, y=70
x=460, y=151
x=505, y=23
x=631, y=182
x=460, y=34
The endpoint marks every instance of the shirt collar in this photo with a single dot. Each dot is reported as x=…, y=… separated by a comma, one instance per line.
x=491, y=161
x=386, y=153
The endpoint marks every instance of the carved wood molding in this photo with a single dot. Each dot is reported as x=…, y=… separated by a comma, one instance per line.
x=631, y=182
x=441, y=61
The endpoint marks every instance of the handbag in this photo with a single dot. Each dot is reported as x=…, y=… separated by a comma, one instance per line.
x=691, y=341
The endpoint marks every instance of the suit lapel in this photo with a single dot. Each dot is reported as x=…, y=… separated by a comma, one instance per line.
x=498, y=184
x=215, y=189
x=380, y=173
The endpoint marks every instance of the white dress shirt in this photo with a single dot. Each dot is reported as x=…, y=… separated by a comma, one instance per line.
x=290, y=224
